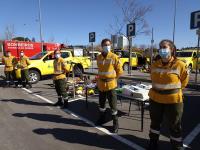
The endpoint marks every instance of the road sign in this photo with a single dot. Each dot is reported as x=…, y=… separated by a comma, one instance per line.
x=195, y=20
x=92, y=37
x=131, y=29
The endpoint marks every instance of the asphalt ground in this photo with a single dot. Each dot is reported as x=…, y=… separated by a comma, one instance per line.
x=28, y=121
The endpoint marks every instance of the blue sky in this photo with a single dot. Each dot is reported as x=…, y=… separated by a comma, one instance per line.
x=72, y=20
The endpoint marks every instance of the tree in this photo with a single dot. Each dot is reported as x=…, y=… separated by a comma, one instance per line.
x=9, y=32
x=21, y=39
x=33, y=39
x=132, y=12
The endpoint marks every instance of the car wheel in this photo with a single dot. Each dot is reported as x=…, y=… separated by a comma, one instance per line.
x=125, y=67
x=34, y=76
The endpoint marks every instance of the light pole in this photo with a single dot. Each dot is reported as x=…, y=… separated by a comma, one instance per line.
x=40, y=17
x=174, y=23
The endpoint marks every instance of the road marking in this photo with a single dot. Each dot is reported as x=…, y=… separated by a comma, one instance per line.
x=47, y=99
x=115, y=136
x=188, y=140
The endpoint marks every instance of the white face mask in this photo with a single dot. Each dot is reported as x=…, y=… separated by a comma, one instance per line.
x=57, y=55
x=21, y=54
x=106, y=49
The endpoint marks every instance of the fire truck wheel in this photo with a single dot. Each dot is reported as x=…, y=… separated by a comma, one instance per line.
x=34, y=76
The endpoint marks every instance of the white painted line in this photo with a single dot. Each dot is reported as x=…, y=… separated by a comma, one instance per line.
x=188, y=140
x=117, y=137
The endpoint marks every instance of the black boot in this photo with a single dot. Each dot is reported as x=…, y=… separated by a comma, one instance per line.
x=101, y=120
x=115, y=123
x=59, y=102
x=153, y=144
x=65, y=102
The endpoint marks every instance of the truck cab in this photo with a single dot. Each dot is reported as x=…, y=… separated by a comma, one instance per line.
x=189, y=57
x=137, y=59
x=42, y=64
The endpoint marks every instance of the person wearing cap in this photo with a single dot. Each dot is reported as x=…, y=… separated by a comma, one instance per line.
x=60, y=70
x=109, y=70
x=8, y=61
x=23, y=64
x=169, y=77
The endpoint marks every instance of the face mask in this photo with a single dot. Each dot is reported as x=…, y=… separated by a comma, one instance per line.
x=165, y=53
x=8, y=54
x=57, y=55
x=106, y=49
x=21, y=54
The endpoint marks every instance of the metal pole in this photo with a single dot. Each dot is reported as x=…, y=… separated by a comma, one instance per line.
x=92, y=56
x=40, y=18
x=198, y=32
x=174, y=24
x=130, y=55
x=152, y=41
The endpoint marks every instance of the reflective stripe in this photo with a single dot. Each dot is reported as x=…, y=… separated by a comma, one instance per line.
x=107, y=73
x=108, y=61
x=59, y=96
x=179, y=139
x=160, y=70
x=167, y=86
x=58, y=72
x=102, y=109
x=7, y=81
x=154, y=131
x=114, y=113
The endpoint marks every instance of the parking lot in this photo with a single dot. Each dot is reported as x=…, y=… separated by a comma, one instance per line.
x=29, y=121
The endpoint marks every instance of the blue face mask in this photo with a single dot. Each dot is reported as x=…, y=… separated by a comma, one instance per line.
x=165, y=53
x=106, y=49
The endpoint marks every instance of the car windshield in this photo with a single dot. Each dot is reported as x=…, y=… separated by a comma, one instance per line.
x=184, y=54
x=38, y=56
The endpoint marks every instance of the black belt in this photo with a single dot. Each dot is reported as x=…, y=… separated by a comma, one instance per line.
x=172, y=91
x=107, y=80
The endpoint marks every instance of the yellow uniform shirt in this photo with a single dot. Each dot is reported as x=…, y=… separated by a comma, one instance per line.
x=24, y=62
x=60, y=69
x=109, y=70
x=172, y=76
x=8, y=61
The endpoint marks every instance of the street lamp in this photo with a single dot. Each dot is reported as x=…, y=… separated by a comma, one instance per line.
x=40, y=17
x=174, y=23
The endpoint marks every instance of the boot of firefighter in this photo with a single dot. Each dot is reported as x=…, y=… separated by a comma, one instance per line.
x=59, y=102
x=153, y=144
x=115, y=123
x=102, y=119
x=66, y=103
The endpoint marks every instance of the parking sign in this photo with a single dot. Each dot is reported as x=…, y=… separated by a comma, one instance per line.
x=130, y=29
x=195, y=20
x=92, y=37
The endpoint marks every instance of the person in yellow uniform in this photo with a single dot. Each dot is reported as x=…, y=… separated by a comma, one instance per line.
x=109, y=70
x=169, y=77
x=23, y=64
x=8, y=61
x=60, y=70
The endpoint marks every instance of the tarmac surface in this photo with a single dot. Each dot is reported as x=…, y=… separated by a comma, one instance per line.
x=29, y=121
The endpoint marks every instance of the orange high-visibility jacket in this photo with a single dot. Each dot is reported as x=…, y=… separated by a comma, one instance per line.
x=60, y=69
x=109, y=70
x=172, y=76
